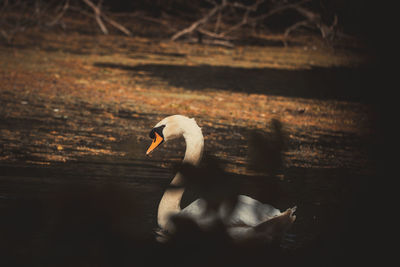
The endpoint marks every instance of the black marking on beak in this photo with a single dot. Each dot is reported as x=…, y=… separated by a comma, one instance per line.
x=158, y=130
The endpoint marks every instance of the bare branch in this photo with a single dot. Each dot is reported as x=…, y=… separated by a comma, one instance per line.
x=279, y=9
x=60, y=15
x=98, y=15
x=218, y=8
x=215, y=42
x=238, y=25
x=315, y=20
x=245, y=18
x=117, y=25
x=295, y=26
x=214, y=35
x=196, y=24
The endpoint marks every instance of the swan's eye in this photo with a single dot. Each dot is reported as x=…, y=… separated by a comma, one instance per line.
x=158, y=130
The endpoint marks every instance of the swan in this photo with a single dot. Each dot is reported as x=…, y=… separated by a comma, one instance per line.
x=249, y=219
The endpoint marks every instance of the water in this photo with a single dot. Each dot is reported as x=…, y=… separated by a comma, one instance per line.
x=89, y=204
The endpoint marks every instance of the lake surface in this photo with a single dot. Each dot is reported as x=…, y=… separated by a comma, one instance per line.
x=98, y=201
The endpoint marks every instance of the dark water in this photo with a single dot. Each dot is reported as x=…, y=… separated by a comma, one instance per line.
x=101, y=211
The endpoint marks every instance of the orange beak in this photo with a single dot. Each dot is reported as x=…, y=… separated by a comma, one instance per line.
x=156, y=142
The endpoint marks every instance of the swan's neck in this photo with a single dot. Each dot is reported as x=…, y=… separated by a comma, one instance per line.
x=170, y=202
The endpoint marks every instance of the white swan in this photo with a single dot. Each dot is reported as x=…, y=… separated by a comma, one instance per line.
x=250, y=219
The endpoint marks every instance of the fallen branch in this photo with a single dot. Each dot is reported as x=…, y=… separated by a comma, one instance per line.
x=117, y=25
x=218, y=8
x=99, y=15
x=60, y=15
x=215, y=35
x=214, y=42
x=278, y=9
x=251, y=16
x=295, y=26
x=314, y=20
x=153, y=20
x=197, y=24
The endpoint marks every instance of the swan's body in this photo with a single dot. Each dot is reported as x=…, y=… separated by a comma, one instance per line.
x=249, y=219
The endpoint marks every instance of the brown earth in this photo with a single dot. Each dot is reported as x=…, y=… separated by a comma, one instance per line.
x=82, y=92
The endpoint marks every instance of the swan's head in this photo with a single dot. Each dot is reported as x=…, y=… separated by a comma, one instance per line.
x=170, y=128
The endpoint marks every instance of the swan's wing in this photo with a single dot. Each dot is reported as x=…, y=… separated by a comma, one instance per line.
x=248, y=211
x=270, y=230
x=275, y=228
x=196, y=209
